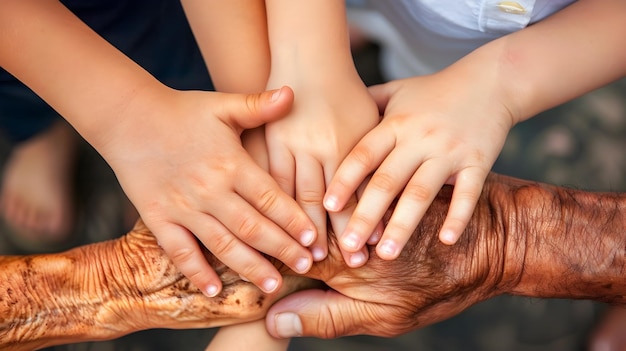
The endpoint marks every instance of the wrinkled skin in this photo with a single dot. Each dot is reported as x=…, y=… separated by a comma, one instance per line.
x=524, y=238
x=427, y=283
x=106, y=290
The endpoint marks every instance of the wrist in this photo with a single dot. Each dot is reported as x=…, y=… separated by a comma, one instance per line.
x=56, y=298
x=571, y=243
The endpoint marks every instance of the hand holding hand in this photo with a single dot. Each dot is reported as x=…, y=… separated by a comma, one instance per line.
x=305, y=148
x=435, y=130
x=185, y=170
x=427, y=283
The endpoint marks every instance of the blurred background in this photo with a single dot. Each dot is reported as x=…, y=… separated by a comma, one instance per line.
x=580, y=144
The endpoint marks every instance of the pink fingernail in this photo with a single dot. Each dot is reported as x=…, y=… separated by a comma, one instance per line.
x=270, y=284
x=212, y=290
x=331, y=203
x=389, y=248
x=351, y=241
x=447, y=237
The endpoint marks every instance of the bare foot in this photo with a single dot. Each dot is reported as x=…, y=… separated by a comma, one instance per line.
x=610, y=334
x=36, y=198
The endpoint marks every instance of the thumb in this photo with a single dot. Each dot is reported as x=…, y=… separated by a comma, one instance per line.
x=247, y=111
x=317, y=313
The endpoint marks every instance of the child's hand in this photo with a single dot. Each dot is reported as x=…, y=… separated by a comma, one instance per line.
x=435, y=130
x=328, y=118
x=187, y=173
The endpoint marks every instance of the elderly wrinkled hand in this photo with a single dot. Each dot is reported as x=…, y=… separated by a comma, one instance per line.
x=524, y=238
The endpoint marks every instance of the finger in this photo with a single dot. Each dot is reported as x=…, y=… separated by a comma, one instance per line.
x=256, y=231
x=339, y=222
x=253, y=110
x=262, y=192
x=366, y=156
x=413, y=203
x=322, y=314
x=381, y=94
x=310, y=188
x=381, y=190
x=182, y=248
x=378, y=231
x=467, y=190
x=282, y=167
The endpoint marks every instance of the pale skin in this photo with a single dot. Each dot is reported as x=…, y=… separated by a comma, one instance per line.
x=310, y=52
x=449, y=127
x=332, y=111
x=187, y=143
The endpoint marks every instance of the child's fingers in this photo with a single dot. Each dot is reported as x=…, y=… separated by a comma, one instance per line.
x=261, y=191
x=183, y=249
x=366, y=156
x=255, y=230
x=282, y=167
x=386, y=183
x=417, y=196
x=310, y=186
x=467, y=190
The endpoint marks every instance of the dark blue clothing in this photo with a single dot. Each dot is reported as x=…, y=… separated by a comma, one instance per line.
x=153, y=33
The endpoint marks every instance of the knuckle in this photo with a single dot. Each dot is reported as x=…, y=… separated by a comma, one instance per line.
x=249, y=229
x=252, y=103
x=182, y=256
x=400, y=229
x=383, y=182
x=310, y=197
x=363, y=155
x=222, y=244
x=327, y=324
x=418, y=192
x=267, y=200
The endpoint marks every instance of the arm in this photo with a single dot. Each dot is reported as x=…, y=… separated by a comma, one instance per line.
x=524, y=238
x=232, y=36
x=458, y=118
x=109, y=289
x=177, y=154
x=310, y=52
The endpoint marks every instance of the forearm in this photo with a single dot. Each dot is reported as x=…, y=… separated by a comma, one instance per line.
x=58, y=298
x=308, y=39
x=568, y=54
x=88, y=81
x=232, y=36
x=565, y=243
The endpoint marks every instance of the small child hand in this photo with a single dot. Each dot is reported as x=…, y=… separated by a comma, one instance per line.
x=434, y=131
x=192, y=182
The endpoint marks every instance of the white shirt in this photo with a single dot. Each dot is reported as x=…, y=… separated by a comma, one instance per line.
x=428, y=35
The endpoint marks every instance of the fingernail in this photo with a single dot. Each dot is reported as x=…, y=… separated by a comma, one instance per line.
x=307, y=237
x=212, y=290
x=276, y=95
x=318, y=254
x=288, y=325
x=351, y=241
x=373, y=240
x=303, y=264
x=270, y=284
x=357, y=259
x=389, y=248
x=447, y=237
x=330, y=203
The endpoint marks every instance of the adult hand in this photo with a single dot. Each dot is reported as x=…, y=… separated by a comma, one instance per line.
x=524, y=238
x=184, y=168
